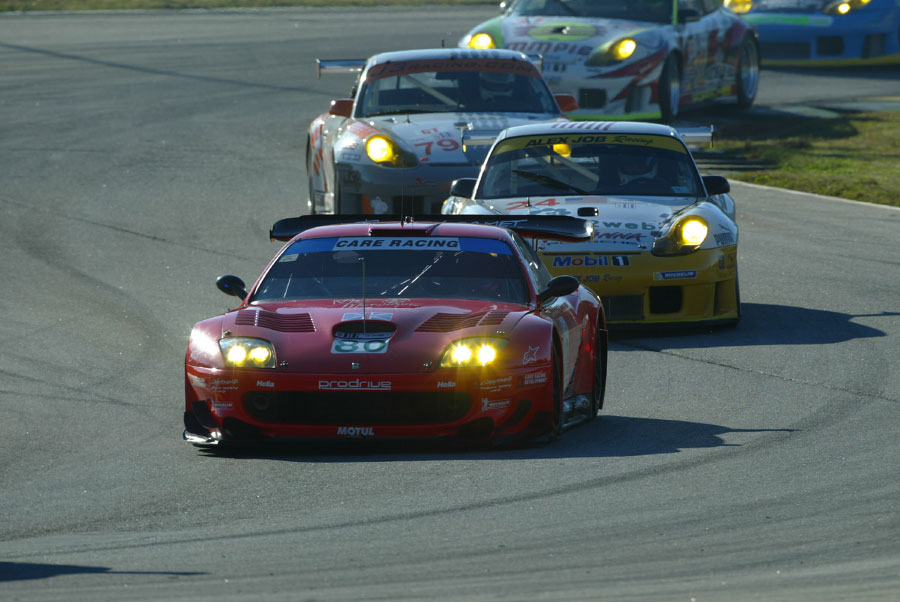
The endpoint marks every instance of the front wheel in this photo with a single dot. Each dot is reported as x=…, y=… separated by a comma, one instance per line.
x=747, y=73
x=669, y=89
x=598, y=391
x=557, y=428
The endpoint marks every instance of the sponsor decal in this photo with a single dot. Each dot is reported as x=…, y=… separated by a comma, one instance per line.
x=354, y=384
x=623, y=236
x=359, y=346
x=196, y=381
x=355, y=431
x=725, y=238
x=549, y=46
x=222, y=405
x=530, y=356
x=569, y=261
x=645, y=141
x=351, y=157
x=446, y=384
x=727, y=262
x=395, y=68
x=681, y=275
x=393, y=243
x=496, y=384
x=265, y=383
x=646, y=226
x=220, y=384
x=497, y=404
x=531, y=379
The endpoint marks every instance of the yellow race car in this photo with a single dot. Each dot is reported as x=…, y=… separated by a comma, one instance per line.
x=665, y=244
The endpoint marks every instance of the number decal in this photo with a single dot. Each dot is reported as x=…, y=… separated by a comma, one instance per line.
x=445, y=144
x=357, y=346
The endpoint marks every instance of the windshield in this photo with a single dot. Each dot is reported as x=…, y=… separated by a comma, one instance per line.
x=394, y=266
x=589, y=164
x=454, y=85
x=656, y=11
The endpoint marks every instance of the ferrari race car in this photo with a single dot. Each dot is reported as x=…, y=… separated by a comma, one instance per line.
x=824, y=32
x=400, y=329
x=417, y=120
x=665, y=243
x=634, y=59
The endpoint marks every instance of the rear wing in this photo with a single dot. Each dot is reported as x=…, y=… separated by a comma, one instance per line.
x=550, y=227
x=697, y=136
x=339, y=66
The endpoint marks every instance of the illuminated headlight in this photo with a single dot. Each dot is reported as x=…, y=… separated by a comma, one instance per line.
x=472, y=352
x=843, y=7
x=481, y=41
x=563, y=149
x=621, y=50
x=739, y=6
x=381, y=149
x=684, y=237
x=246, y=352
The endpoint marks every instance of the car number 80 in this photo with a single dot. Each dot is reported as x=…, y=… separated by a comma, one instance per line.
x=353, y=346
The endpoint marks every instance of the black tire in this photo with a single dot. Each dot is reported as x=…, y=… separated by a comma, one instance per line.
x=737, y=301
x=311, y=198
x=557, y=426
x=669, y=89
x=598, y=393
x=747, y=73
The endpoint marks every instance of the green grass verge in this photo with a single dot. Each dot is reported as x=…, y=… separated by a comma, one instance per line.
x=27, y=5
x=853, y=156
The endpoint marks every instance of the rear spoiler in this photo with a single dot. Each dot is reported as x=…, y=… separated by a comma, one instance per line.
x=697, y=136
x=339, y=66
x=551, y=227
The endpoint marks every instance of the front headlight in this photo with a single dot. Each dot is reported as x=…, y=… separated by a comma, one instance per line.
x=615, y=53
x=381, y=149
x=247, y=352
x=739, y=6
x=481, y=41
x=472, y=352
x=843, y=7
x=684, y=237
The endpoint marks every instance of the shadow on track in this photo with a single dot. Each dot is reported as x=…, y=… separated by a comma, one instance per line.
x=26, y=571
x=607, y=437
x=761, y=324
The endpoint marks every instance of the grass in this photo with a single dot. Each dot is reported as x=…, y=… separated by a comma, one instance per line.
x=27, y=5
x=853, y=156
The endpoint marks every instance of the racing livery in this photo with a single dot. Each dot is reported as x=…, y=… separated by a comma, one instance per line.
x=400, y=329
x=824, y=32
x=416, y=120
x=640, y=59
x=666, y=241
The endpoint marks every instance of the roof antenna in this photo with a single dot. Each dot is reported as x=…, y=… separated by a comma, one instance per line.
x=363, y=260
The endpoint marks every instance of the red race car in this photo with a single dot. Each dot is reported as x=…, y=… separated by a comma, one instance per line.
x=437, y=327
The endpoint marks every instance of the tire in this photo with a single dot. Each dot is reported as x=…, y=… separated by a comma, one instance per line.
x=747, y=73
x=737, y=301
x=557, y=426
x=598, y=391
x=669, y=89
x=311, y=198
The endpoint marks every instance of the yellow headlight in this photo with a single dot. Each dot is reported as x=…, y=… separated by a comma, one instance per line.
x=693, y=232
x=472, y=352
x=461, y=354
x=624, y=49
x=562, y=149
x=259, y=355
x=486, y=354
x=843, y=8
x=739, y=6
x=247, y=352
x=482, y=41
x=381, y=149
x=237, y=355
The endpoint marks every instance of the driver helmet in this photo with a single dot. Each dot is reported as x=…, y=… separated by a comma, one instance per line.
x=632, y=166
x=496, y=84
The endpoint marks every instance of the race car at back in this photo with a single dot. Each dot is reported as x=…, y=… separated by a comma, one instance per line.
x=665, y=243
x=635, y=59
x=824, y=32
x=399, y=329
x=415, y=121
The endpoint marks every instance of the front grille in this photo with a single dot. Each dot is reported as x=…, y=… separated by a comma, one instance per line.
x=357, y=407
x=624, y=307
x=829, y=45
x=665, y=299
x=784, y=50
x=275, y=321
x=591, y=99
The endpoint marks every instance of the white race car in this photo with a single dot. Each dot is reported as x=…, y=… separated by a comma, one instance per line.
x=665, y=244
x=635, y=59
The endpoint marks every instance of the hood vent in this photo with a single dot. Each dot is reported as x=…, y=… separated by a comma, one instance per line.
x=449, y=322
x=275, y=321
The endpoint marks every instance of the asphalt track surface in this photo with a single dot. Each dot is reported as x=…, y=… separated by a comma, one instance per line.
x=142, y=155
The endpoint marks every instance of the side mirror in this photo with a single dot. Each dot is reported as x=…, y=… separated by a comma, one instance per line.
x=716, y=185
x=559, y=287
x=342, y=107
x=232, y=285
x=566, y=102
x=463, y=187
x=688, y=15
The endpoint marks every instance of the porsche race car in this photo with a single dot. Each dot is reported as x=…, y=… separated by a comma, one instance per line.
x=415, y=121
x=400, y=329
x=824, y=32
x=666, y=240
x=634, y=59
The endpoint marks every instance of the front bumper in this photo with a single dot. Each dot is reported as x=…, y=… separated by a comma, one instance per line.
x=259, y=406
x=638, y=288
